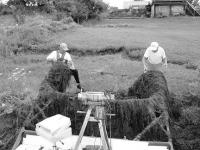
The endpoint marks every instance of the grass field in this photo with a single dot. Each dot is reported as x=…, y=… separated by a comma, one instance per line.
x=180, y=37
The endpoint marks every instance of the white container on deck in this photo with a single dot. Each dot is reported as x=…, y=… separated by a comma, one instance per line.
x=54, y=128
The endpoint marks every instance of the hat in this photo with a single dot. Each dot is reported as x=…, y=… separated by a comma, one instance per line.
x=64, y=46
x=154, y=46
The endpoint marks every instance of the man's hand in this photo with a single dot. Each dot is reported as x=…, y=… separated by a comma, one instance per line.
x=79, y=86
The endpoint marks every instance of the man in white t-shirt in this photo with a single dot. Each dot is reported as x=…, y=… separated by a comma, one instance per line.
x=62, y=55
x=154, y=57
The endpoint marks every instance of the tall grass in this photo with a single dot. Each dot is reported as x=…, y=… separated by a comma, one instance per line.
x=33, y=36
x=4, y=46
x=16, y=82
x=21, y=76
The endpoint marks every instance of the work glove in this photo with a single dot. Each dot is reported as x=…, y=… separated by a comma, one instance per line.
x=80, y=88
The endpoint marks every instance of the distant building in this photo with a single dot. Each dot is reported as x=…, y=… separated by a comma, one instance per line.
x=164, y=8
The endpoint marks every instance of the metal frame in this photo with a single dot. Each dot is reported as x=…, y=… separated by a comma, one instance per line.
x=101, y=124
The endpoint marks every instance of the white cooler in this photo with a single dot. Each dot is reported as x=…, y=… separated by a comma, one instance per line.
x=54, y=128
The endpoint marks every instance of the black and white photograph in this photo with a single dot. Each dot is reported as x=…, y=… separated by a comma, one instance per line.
x=99, y=74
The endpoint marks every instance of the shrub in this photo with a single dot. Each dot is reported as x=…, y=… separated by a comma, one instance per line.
x=67, y=20
x=59, y=16
x=81, y=10
x=5, y=10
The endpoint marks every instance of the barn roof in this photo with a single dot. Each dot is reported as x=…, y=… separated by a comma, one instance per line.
x=168, y=1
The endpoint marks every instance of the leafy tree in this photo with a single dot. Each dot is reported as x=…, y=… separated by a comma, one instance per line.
x=17, y=3
x=95, y=7
x=80, y=10
x=65, y=5
x=80, y=13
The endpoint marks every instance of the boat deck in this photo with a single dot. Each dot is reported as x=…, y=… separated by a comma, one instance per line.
x=28, y=140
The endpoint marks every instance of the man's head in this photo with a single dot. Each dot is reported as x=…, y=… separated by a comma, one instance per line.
x=154, y=46
x=63, y=47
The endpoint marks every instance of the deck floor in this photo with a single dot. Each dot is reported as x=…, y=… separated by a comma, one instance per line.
x=34, y=142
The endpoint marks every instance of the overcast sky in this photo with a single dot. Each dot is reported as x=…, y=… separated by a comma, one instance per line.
x=117, y=3
x=3, y=1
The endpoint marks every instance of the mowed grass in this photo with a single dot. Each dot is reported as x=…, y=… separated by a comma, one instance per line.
x=97, y=73
x=114, y=72
x=180, y=37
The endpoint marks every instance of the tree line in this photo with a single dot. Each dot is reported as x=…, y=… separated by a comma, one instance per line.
x=79, y=10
